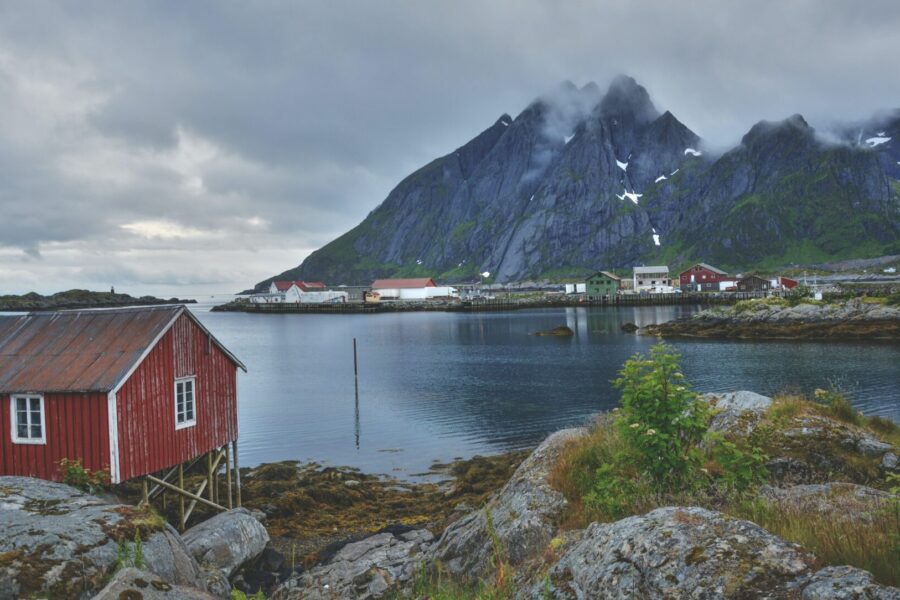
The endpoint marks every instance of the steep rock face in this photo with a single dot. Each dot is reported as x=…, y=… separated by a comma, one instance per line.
x=582, y=180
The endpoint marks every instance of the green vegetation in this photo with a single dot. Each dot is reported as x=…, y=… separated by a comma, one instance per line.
x=131, y=554
x=239, y=595
x=74, y=474
x=656, y=450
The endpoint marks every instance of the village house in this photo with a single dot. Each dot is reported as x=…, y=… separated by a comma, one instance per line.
x=652, y=279
x=702, y=277
x=130, y=391
x=423, y=288
x=783, y=283
x=753, y=283
x=306, y=292
x=603, y=284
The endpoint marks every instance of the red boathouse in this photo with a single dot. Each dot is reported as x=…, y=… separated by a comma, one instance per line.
x=134, y=391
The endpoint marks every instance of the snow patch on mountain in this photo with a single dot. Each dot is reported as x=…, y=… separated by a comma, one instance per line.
x=876, y=141
x=660, y=178
x=692, y=152
x=622, y=165
x=634, y=197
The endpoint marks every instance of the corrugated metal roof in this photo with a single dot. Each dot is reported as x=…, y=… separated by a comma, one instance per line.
x=395, y=284
x=656, y=269
x=81, y=350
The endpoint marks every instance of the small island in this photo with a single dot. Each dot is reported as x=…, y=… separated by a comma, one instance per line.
x=71, y=299
x=791, y=318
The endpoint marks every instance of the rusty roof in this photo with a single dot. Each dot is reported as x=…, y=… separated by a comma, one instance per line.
x=82, y=350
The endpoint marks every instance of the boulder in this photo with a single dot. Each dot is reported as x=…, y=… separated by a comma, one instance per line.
x=561, y=331
x=676, y=553
x=835, y=499
x=737, y=412
x=890, y=463
x=135, y=584
x=363, y=570
x=846, y=583
x=227, y=541
x=61, y=543
x=523, y=514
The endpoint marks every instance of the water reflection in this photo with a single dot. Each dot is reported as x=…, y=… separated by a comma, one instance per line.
x=441, y=385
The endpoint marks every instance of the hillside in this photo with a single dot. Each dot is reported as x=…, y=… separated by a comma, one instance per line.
x=582, y=180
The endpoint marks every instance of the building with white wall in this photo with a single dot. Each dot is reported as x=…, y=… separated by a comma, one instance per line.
x=652, y=279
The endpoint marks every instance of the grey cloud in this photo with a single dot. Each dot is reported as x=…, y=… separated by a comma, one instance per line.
x=312, y=111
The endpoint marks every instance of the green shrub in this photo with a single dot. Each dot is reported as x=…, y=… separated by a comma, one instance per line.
x=839, y=407
x=74, y=474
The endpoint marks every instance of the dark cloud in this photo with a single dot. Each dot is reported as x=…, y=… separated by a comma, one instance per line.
x=153, y=142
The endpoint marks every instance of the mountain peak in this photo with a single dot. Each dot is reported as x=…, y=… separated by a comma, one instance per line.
x=793, y=126
x=626, y=97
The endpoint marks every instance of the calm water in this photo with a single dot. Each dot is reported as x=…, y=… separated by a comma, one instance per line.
x=434, y=386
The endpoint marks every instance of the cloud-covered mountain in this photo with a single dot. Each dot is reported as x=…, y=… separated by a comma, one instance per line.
x=583, y=180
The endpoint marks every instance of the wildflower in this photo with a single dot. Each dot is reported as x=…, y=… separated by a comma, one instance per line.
x=704, y=470
x=616, y=409
x=651, y=432
x=680, y=388
x=635, y=425
x=820, y=392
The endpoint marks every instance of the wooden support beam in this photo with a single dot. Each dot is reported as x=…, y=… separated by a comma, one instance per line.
x=193, y=504
x=145, y=494
x=237, y=470
x=185, y=493
x=180, y=497
x=209, y=475
x=228, y=475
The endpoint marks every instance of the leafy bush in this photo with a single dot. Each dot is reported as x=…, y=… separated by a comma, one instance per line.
x=74, y=474
x=651, y=450
x=131, y=554
x=838, y=406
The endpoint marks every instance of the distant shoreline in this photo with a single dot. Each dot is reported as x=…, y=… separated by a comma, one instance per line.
x=79, y=299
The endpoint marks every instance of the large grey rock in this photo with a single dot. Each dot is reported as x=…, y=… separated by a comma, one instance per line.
x=362, y=570
x=676, y=553
x=135, y=584
x=737, y=412
x=835, y=499
x=523, y=513
x=846, y=583
x=62, y=543
x=227, y=541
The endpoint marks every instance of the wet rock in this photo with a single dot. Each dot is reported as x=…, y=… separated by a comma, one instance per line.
x=227, y=541
x=837, y=500
x=846, y=583
x=524, y=515
x=629, y=327
x=60, y=542
x=136, y=584
x=561, y=331
x=362, y=570
x=677, y=553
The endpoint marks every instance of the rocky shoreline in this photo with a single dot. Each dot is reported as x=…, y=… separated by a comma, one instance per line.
x=67, y=544
x=776, y=318
x=75, y=299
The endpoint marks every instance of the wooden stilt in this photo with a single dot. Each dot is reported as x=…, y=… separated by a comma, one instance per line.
x=180, y=497
x=209, y=475
x=237, y=470
x=145, y=492
x=186, y=493
x=228, y=475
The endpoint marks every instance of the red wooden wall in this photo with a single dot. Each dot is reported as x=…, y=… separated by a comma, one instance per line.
x=76, y=427
x=148, y=440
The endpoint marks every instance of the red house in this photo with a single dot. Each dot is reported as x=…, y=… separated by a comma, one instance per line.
x=703, y=277
x=132, y=390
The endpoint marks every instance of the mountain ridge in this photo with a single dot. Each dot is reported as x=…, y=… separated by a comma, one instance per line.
x=581, y=180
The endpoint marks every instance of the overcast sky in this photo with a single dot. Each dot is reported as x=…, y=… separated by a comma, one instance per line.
x=198, y=147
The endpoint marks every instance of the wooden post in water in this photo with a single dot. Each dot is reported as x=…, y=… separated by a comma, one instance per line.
x=356, y=386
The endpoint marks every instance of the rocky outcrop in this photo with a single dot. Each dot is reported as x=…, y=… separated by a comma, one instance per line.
x=362, y=570
x=522, y=517
x=845, y=583
x=835, y=499
x=697, y=553
x=777, y=319
x=737, y=413
x=61, y=543
x=136, y=584
x=677, y=553
x=227, y=541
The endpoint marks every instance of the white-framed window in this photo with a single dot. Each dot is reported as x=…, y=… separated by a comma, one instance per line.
x=185, y=402
x=28, y=422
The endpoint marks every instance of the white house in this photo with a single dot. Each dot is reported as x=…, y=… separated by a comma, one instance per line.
x=412, y=289
x=299, y=292
x=652, y=279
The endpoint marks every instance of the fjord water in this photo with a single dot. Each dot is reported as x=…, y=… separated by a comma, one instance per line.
x=435, y=386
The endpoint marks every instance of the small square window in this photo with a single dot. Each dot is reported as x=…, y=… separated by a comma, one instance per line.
x=28, y=420
x=185, y=406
